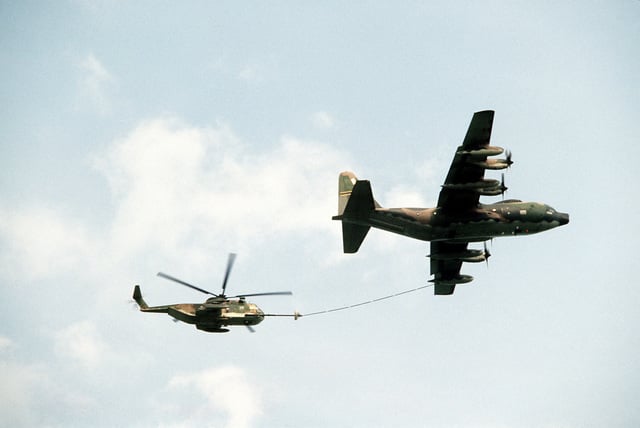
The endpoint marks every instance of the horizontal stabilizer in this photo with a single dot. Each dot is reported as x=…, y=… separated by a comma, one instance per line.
x=443, y=289
x=352, y=236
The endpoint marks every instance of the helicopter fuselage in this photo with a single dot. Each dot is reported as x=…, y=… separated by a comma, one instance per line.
x=215, y=314
x=212, y=315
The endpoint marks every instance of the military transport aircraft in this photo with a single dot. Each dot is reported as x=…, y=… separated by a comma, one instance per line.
x=458, y=219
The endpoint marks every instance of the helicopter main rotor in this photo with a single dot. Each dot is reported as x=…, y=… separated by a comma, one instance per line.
x=179, y=281
x=232, y=258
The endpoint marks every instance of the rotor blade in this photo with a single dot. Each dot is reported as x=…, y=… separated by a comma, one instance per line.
x=170, y=278
x=232, y=258
x=272, y=293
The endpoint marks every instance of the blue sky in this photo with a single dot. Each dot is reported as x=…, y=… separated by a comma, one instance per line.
x=139, y=137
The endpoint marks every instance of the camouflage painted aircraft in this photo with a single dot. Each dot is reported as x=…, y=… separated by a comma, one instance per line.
x=458, y=219
x=216, y=312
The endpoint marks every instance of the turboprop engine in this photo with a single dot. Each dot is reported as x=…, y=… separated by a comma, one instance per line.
x=493, y=191
x=486, y=151
x=495, y=163
x=460, y=279
x=486, y=183
x=469, y=256
x=484, y=187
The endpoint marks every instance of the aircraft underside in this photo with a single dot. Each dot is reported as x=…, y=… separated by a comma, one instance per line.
x=464, y=231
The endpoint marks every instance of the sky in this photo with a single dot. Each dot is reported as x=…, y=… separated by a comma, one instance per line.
x=138, y=137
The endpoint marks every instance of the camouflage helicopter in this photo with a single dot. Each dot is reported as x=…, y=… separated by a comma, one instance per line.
x=216, y=312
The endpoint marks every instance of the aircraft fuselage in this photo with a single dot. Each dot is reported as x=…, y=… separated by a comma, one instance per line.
x=506, y=218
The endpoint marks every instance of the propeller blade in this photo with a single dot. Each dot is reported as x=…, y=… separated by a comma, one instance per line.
x=487, y=254
x=272, y=293
x=509, y=161
x=251, y=329
x=232, y=258
x=186, y=284
x=503, y=188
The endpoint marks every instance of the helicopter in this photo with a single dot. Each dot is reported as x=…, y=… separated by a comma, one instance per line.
x=216, y=312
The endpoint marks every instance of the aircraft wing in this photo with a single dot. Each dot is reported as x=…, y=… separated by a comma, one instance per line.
x=462, y=171
x=445, y=269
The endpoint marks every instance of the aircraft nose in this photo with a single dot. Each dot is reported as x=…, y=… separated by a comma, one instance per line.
x=563, y=218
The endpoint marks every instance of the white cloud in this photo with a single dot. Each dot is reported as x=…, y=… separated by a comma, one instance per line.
x=180, y=188
x=41, y=242
x=403, y=196
x=82, y=343
x=225, y=389
x=95, y=83
x=322, y=120
x=431, y=172
x=18, y=387
x=18, y=390
x=180, y=191
x=35, y=394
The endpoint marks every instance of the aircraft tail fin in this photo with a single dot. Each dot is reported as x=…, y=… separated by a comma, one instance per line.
x=355, y=203
x=346, y=182
x=137, y=296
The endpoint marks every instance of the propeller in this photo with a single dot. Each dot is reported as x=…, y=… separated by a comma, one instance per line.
x=503, y=188
x=251, y=329
x=508, y=159
x=487, y=254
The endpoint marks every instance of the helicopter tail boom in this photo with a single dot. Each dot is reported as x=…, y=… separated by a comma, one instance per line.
x=137, y=296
